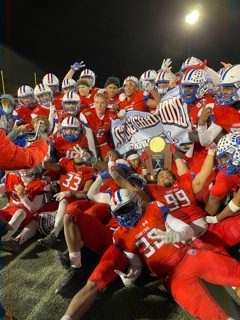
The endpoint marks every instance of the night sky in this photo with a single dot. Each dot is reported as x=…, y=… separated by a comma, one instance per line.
x=118, y=38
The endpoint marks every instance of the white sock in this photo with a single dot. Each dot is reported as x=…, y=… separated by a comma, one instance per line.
x=28, y=232
x=75, y=259
x=15, y=223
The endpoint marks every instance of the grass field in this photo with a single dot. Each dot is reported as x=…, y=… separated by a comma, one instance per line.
x=29, y=278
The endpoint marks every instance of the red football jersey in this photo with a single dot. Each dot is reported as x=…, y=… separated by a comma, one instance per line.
x=224, y=116
x=179, y=198
x=100, y=127
x=160, y=257
x=136, y=102
x=64, y=148
x=86, y=102
x=72, y=178
x=195, y=108
x=57, y=100
x=24, y=113
x=40, y=110
x=33, y=188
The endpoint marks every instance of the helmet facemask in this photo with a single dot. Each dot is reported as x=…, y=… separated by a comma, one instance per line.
x=228, y=94
x=188, y=92
x=44, y=99
x=128, y=213
x=70, y=134
x=228, y=153
x=72, y=108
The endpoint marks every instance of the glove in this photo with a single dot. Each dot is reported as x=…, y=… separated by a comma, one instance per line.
x=166, y=64
x=129, y=278
x=61, y=195
x=77, y=66
x=170, y=236
x=105, y=175
x=148, y=86
x=122, y=113
x=211, y=219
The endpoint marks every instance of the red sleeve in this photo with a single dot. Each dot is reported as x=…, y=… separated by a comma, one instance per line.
x=14, y=157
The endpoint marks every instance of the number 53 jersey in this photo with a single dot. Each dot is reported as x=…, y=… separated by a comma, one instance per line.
x=160, y=257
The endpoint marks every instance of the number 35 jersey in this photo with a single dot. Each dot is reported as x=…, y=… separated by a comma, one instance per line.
x=179, y=198
x=73, y=178
x=160, y=257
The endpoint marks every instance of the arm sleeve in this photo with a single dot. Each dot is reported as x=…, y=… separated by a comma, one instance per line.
x=184, y=230
x=208, y=134
x=89, y=134
x=133, y=259
x=34, y=205
x=14, y=157
x=95, y=195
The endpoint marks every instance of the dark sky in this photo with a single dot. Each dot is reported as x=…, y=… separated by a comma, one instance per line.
x=113, y=37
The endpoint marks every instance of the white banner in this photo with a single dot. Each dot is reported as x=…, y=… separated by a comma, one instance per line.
x=170, y=121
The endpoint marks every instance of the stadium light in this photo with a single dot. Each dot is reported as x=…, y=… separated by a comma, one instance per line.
x=192, y=17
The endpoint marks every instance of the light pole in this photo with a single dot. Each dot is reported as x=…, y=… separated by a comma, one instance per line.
x=191, y=19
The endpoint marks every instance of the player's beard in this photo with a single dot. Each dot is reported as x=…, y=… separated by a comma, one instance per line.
x=79, y=162
x=167, y=184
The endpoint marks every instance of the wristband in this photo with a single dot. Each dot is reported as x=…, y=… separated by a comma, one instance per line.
x=233, y=207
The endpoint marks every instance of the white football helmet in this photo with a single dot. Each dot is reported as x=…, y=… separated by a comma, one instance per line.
x=162, y=81
x=87, y=73
x=71, y=123
x=69, y=85
x=131, y=78
x=71, y=103
x=43, y=94
x=26, y=96
x=51, y=81
x=190, y=62
x=194, y=85
x=228, y=153
x=149, y=75
x=46, y=222
x=125, y=207
x=229, y=86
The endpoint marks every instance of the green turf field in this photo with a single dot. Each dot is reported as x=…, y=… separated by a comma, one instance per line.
x=29, y=278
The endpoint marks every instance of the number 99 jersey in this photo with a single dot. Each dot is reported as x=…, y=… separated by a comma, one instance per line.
x=179, y=198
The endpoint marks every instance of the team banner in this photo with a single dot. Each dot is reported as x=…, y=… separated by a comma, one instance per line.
x=170, y=121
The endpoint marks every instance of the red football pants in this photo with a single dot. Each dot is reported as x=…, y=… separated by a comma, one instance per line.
x=188, y=290
x=98, y=238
